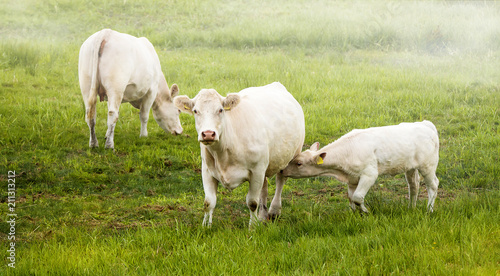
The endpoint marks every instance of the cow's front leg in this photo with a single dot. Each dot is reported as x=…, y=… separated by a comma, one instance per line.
x=144, y=116
x=254, y=191
x=146, y=104
x=210, y=187
x=275, y=208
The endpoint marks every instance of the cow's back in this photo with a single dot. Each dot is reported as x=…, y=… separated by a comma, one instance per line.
x=270, y=116
x=126, y=63
x=126, y=59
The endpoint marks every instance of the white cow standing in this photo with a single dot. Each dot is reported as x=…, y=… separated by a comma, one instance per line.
x=246, y=136
x=122, y=68
x=361, y=155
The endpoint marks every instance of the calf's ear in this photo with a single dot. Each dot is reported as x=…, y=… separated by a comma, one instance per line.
x=320, y=158
x=184, y=104
x=314, y=147
x=230, y=101
x=174, y=90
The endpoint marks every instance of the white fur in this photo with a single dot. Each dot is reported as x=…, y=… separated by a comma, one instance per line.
x=128, y=70
x=257, y=132
x=361, y=155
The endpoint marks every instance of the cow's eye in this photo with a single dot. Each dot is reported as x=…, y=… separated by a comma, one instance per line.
x=221, y=110
x=299, y=164
x=195, y=111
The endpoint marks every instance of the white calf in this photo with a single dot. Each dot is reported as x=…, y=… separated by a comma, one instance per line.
x=361, y=155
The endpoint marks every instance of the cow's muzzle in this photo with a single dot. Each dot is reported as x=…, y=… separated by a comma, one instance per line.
x=176, y=132
x=207, y=136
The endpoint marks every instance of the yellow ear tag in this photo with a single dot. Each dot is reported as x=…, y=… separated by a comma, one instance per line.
x=186, y=107
x=320, y=160
x=227, y=108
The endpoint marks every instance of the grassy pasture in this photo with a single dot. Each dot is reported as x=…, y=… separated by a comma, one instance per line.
x=138, y=209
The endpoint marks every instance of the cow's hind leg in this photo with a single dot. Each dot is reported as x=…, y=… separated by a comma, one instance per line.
x=114, y=100
x=263, y=214
x=253, y=197
x=413, y=186
x=275, y=208
x=93, y=138
x=90, y=113
x=90, y=116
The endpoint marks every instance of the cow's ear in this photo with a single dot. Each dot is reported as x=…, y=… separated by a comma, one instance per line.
x=230, y=101
x=314, y=147
x=320, y=158
x=174, y=90
x=184, y=104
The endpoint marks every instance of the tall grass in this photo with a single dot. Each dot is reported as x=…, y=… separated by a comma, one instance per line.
x=458, y=238
x=138, y=209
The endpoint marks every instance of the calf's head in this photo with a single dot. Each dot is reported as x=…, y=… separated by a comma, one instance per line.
x=209, y=109
x=166, y=113
x=307, y=164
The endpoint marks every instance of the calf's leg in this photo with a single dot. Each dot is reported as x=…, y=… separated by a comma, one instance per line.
x=413, y=180
x=366, y=181
x=431, y=183
x=351, y=188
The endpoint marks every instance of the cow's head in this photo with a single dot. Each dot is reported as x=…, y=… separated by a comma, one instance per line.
x=307, y=164
x=166, y=113
x=209, y=109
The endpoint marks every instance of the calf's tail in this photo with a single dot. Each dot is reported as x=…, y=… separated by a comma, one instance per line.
x=430, y=125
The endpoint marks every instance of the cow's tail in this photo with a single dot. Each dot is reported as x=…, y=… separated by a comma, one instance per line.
x=97, y=48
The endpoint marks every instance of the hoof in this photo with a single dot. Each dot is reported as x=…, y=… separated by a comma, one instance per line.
x=93, y=144
x=273, y=217
x=109, y=145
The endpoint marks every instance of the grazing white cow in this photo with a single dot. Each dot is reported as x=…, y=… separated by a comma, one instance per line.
x=361, y=155
x=246, y=136
x=123, y=68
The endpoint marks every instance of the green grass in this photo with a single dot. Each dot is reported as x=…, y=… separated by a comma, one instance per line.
x=138, y=209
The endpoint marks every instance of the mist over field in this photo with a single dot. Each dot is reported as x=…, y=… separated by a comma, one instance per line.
x=411, y=33
x=445, y=27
